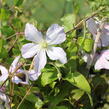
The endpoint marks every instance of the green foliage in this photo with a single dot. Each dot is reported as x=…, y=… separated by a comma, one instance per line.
x=79, y=81
x=68, y=21
x=85, y=43
x=69, y=86
x=7, y=31
x=48, y=76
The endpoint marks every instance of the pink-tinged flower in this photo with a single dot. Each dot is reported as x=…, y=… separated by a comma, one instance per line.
x=4, y=99
x=19, y=76
x=103, y=60
x=42, y=46
x=93, y=26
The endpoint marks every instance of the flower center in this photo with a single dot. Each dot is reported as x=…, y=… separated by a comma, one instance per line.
x=43, y=44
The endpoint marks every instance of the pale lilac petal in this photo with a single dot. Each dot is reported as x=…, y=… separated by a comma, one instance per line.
x=29, y=50
x=14, y=64
x=4, y=73
x=32, y=34
x=55, y=34
x=57, y=53
x=103, y=60
x=4, y=98
x=101, y=64
x=40, y=61
x=106, y=26
x=105, y=35
x=92, y=26
x=16, y=79
x=33, y=75
x=104, y=40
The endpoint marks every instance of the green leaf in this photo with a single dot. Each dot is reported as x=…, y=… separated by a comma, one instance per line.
x=4, y=53
x=17, y=23
x=4, y=14
x=15, y=51
x=38, y=104
x=48, y=11
x=7, y=31
x=79, y=81
x=90, y=98
x=1, y=44
x=86, y=44
x=68, y=21
x=26, y=105
x=10, y=2
x=48, y=76
x=30, y=97
x=18, y=2
x=59, y=107
x=77, y=94
x=65, y=89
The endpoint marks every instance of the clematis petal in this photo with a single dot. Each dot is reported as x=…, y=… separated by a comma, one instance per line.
x=14, y=64
x=57, y=53
x=32, y=34
x=106, y=28
x=55, y=34
x=105, y=35
x=103, y=60
x=29, y=50
x=92, y=26
x=4, y=73
x=40, y=61
x=101, y=64
x=21, y=77
x=33, y=75
x=5, y=99
x=16, y=80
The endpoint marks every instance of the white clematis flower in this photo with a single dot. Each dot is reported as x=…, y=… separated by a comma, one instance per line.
x=20, y=76
x=42, y=46
x=93, y=25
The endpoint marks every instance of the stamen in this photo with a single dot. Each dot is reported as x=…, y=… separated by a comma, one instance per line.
x=44, y=44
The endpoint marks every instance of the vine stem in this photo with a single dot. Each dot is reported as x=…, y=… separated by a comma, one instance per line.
x=24, y=97
x=12, y=84
x=18, y=33
x=97, y=39
x=11, y=75
x=31, y=66
x=85, y=19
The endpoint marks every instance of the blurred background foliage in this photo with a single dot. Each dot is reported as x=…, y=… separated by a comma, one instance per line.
x=48, y=92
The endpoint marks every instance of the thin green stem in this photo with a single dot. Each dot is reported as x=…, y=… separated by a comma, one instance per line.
x=24, y=97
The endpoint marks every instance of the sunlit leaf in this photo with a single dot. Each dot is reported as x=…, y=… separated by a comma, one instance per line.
x=48, y=76
x=79, y=81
